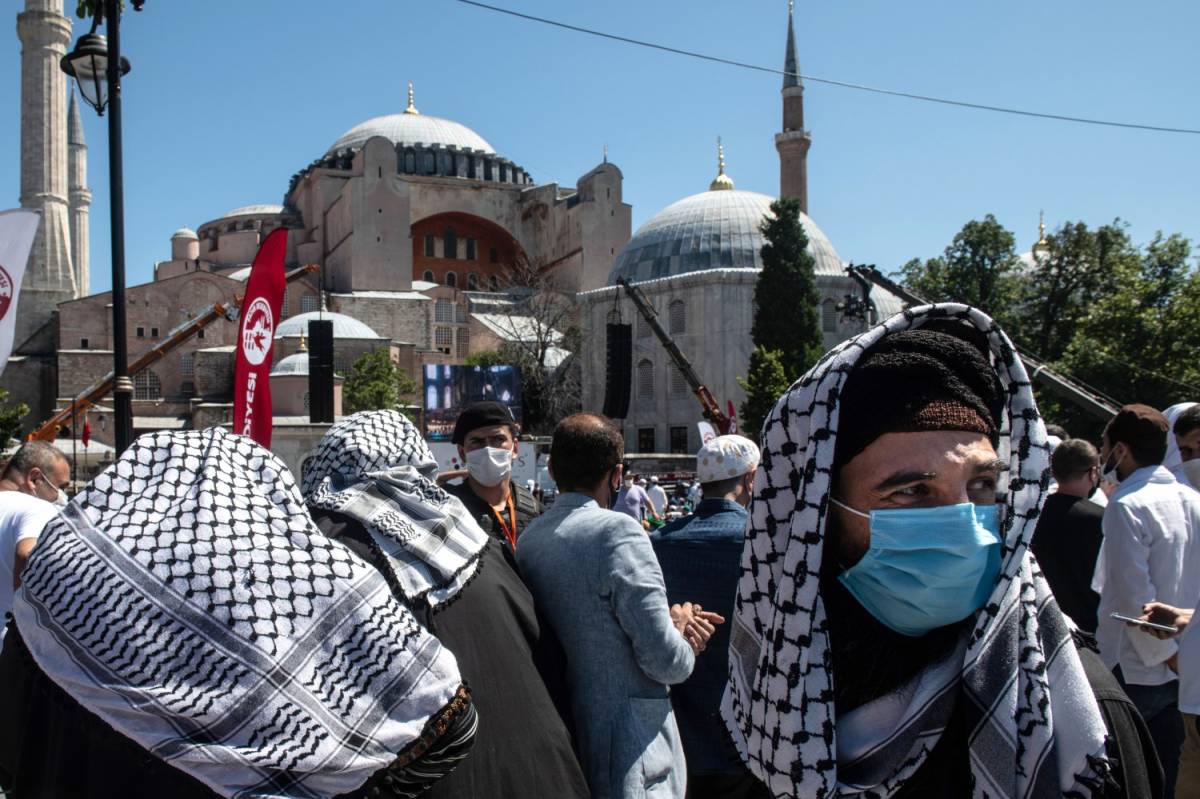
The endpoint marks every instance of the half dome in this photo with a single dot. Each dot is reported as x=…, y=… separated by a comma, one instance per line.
x=295, y=364
x=711, y=230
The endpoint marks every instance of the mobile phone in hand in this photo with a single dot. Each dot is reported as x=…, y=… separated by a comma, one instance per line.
x=1166, y=628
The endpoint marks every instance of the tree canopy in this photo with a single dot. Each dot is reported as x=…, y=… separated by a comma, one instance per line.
x=376, y=383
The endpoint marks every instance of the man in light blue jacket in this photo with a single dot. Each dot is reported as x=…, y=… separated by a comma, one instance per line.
x=594, y=576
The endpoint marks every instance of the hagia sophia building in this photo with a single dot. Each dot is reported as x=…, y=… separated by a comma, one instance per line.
x=417, y=225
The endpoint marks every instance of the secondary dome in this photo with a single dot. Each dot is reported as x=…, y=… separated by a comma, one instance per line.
x=711, y=230
x=263, y=209
x=343, y=326
x=295, y=364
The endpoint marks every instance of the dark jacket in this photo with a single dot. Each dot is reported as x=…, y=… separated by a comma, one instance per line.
x=1066, y=543
x=524, y=503
x=700, y=556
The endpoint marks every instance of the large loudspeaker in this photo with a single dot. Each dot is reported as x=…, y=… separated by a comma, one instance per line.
x=320, y=371
x=620, y=371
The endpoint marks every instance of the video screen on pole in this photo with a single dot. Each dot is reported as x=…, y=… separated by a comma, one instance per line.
x=449, y=389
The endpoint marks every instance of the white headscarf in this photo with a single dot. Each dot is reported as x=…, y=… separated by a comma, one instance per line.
x=1035, y=727
x=1173, y=460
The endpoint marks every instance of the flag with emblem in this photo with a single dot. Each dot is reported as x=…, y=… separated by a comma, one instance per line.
x=256, y=340
x=17, y=230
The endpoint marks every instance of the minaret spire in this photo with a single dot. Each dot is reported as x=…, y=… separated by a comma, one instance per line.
x=79, y=196
x=794, y=141
x=45, y=33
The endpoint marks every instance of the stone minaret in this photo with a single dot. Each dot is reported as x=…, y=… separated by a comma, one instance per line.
x=45, y=34
x=80, y=197
x=794, y=141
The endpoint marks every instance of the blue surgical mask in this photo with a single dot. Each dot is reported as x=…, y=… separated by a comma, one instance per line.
x=926, y=567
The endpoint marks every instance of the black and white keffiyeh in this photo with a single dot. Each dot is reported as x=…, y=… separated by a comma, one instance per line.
x=1035, y=729
x=375, y=468
x=187, y=599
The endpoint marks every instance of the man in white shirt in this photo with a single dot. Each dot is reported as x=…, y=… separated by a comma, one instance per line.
x=32, y=485
x=658, y=497
x=1151, y=552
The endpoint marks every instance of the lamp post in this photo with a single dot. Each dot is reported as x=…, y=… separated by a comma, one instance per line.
x=92, y=58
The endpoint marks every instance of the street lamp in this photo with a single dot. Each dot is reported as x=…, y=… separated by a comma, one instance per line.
x=88, y=65
x=92, y=58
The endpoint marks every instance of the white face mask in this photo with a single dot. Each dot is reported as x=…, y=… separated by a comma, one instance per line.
x=489, y=465
x=60, y=496
x=1109, y=475
x=1191, y=470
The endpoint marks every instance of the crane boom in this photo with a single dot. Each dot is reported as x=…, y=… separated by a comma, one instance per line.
x=1080, y=394
x=98, y=390
x=708, y=403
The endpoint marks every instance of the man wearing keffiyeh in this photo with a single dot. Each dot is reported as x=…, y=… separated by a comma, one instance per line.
x=892, y=635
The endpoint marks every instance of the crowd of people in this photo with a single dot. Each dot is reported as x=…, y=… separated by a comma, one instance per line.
x=909, y=586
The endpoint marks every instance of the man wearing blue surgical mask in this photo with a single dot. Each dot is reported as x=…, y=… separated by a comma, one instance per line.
x=486, y=435
x=892, y=635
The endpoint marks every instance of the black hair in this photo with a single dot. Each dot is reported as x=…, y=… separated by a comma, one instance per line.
x=585, y=447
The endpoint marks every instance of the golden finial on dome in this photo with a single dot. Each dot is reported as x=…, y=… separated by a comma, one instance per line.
x=1042, y=247
x=412, y=109
x=721, y=182
x=303, y=343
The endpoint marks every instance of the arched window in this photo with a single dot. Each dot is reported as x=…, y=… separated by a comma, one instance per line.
x=677, y=320
x=187, y=365
x=643, y=327
x=428, y=276
x=146, y=386
x=307, y=400
x=451, y=243
x=645, y=379
x=464, y=342
x=472, y=281
x=678, y=383
x=452, y=280
x=829, y=316
x=493, y=283
x=442, y=311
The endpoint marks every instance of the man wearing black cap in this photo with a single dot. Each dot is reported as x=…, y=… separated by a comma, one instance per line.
x=1151, y=553
x=486, y=435
x=892, y=636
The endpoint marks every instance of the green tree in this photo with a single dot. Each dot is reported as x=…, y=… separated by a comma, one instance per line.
x=978, y=268
x=786, y=318
x=1140, y=342
x=1078, y=269
x=486, y=358
x=11, y=415
x=375, y=382
x=764, y=385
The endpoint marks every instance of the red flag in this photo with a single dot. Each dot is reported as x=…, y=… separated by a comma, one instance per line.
x=256, y=340
x=87, y=432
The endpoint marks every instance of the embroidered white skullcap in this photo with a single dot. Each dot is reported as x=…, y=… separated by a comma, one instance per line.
x=724, y=457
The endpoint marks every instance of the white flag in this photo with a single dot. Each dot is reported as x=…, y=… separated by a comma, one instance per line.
x=17, y=229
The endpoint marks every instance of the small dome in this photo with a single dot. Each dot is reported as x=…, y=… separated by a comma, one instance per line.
x=295, y=364
x=265, y=209
x=184, y=233
x=343, y=326
x=711, y=230
x=411, y=129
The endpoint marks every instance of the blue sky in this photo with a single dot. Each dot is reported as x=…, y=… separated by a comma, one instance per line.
x=228, y=98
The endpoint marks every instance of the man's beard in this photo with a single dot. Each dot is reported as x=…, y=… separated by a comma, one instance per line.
x=868, y=658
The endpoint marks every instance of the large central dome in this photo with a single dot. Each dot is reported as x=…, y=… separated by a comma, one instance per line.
x=412, y=129
x=711, y=230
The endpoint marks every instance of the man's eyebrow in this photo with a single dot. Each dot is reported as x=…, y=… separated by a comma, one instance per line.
x=995, y=465
x=904, y=478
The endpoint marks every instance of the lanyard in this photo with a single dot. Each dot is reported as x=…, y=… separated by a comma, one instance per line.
x=509, y=530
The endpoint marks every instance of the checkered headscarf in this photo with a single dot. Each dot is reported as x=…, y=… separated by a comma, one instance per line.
x=1035, y=727
x=375, y=468
x=187, y=599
